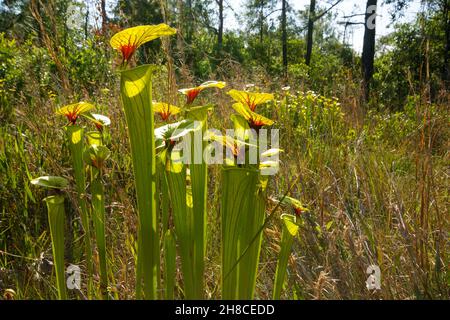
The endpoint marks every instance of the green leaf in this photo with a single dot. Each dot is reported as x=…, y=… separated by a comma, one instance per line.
x=94, y=137
x=183, y=222
x=329, y=225
x=241, y=127
x=198, y=174
x=290, y=222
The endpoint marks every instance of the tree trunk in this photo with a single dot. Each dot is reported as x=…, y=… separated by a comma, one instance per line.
x=446, y=67
x=40, y=35
x=261, y=22
x=368, y=53
x=104, y=16
x=86, y=21
x=284, y=37
x=188, y=21
x=220, y=33
x=309, y=37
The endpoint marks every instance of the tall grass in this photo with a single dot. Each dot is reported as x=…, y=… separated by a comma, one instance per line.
x=376, y=188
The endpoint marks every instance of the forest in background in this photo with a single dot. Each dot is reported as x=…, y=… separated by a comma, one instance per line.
x=277, y=45
x=366, y=132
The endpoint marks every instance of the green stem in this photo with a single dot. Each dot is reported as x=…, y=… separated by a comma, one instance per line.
x=165, y=201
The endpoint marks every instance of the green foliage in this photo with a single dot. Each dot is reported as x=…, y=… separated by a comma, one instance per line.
x=89, y=64
x=315, y=118
x=12, y=76
x=401, y=68
x=392, y=127
x=75, y=140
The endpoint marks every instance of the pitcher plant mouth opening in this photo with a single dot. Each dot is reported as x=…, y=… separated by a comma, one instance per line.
x=73, y=111
x=192, y=93
x=100, y=121
x=250, y=99
x=127, y=51
x=165, y=110
x=129, y=40
x=255, y=120
x=298, y=208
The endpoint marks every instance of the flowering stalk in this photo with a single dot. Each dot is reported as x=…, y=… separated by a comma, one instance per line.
x=165, y=201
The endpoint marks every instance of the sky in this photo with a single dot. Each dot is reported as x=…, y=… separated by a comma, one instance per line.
x=346, y=7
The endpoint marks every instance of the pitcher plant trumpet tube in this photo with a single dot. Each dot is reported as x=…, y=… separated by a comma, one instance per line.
x=288, y=234
x=75, y=139
x=129, y=40
x=56, y=221
x=181, y=195
x=136, y=93
x=95, y=156
x=241, y=215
